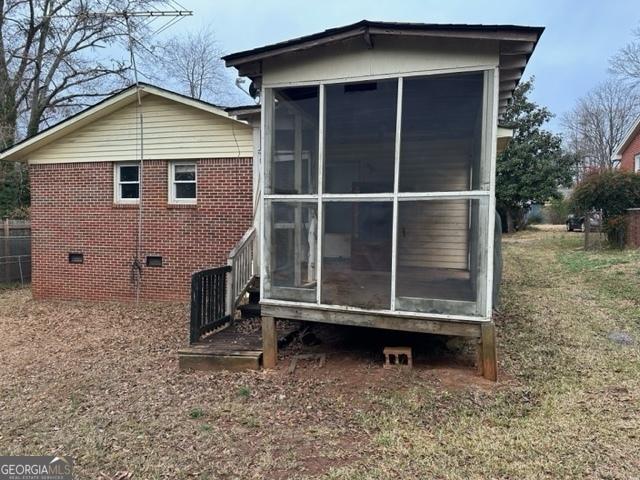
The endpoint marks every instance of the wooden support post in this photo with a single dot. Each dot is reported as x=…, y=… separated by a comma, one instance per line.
x=269, y=342
x=7, y=250
x=479, y=357
x=487, y=350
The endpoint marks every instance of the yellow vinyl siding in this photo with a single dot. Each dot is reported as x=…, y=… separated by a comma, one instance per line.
x=171, y=131
x=434, y=234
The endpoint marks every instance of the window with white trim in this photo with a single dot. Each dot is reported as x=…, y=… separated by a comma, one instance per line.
x=126, y=182
x=636, y=166
x=182, y=182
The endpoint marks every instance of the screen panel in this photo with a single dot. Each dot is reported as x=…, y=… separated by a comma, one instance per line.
x=360, y=132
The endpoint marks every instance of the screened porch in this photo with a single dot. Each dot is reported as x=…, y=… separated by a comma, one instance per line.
x=377, y=194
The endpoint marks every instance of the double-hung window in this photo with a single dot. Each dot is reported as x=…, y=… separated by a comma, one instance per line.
x=127, y=182
x=636, y=163
x=182, y=183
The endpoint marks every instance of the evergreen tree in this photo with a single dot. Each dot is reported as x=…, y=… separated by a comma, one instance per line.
x=533, y=166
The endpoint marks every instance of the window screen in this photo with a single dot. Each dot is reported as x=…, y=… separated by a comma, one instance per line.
x=294, y=159
x=356, y=254
x=360, y=137
x=441, y=139
x=292, y=242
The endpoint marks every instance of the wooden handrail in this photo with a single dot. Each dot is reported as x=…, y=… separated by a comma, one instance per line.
x=241, y=261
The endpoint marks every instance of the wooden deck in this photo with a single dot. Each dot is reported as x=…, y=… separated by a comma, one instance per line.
x=237, y=347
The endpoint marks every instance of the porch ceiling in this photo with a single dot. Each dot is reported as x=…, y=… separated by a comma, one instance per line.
x=516, y=46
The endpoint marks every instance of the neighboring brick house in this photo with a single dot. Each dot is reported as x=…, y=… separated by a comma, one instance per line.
x=109, y=227
x=627, y=152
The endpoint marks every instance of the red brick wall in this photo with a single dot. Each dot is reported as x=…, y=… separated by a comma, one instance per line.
x=72, y=210
x=628, y=163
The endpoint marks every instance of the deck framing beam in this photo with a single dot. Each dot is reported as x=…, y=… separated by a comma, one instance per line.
x=386, y=322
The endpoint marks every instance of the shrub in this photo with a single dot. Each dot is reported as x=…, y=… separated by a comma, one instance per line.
x=615, y=228
x=613, y=192
x=556, y=211
x=535, y=218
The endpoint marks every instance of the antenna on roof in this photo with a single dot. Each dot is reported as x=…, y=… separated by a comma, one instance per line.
x=168, y=13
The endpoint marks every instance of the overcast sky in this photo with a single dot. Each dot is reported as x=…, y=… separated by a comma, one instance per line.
x=571, y=58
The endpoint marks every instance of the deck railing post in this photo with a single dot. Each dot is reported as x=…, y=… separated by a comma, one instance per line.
x=6, y=249
x=193, y=330
x=229, y=293
x=20, y=269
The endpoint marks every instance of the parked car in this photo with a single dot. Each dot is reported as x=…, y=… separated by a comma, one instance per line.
x=576, y=222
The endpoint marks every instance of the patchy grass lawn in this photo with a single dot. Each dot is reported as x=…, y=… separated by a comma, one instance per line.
x=100, y=383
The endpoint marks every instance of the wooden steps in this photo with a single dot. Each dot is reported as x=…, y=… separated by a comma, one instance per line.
x=190, y=359
x=229, y=349
x=237, y=347
x=251, y=309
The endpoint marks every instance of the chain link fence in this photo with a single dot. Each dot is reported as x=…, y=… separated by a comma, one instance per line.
x=594, y=235
x=15, y=251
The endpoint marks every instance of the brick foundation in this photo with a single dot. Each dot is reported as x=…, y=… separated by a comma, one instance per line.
x=73, y=211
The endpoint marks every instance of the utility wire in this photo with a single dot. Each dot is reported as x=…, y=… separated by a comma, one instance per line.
x=176, y=13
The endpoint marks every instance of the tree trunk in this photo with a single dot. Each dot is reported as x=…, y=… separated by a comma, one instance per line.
x=33, y=127
x=8, y=118
x=510, y=224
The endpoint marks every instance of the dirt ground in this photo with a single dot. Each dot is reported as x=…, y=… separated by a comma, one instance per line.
x=100, y=382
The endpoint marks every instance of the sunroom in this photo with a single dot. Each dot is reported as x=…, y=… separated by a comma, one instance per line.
x=378, y=172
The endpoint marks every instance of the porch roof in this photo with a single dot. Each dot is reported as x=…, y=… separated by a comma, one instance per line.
x=516, y=45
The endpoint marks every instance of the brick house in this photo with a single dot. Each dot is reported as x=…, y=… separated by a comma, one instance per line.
x=627, y=152
x=374, y=204
x=107, y=226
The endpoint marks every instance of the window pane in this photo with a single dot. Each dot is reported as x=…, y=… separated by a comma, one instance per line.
x=185, y=172
x=441, y=144
x=356, y=257
x=439, y=255
x=293, y=251
x=130, y=190
x=185, y=190
x=360, y=137
x=294, y=160
x=129, y=173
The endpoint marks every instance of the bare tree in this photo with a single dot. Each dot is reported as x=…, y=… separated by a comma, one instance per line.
x=57, y=55
x=191, y=63
x=625, y=64
x=598, y=123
